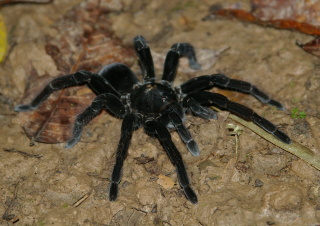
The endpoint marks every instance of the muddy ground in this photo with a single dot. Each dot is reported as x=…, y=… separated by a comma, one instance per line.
x=260, y=185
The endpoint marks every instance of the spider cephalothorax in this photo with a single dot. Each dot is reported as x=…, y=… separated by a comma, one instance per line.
x=156, y=106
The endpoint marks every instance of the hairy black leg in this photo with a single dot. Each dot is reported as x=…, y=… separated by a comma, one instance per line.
x=223, y=81
x=130, y=122
x=158, y=129
x=106, y=101
x=97, y=83
x=172, y=60
x=173, y=118
x=198, y=110
x=184, y=134
x=145, y=57
x=207, y=98
x=120, y=76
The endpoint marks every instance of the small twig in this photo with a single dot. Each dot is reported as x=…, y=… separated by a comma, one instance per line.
x=81, y=200
x=98, y=177
x=139, y=210
x=294, y=148
x=22, y=153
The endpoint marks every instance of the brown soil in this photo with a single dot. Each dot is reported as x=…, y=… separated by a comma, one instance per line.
x=260, y=185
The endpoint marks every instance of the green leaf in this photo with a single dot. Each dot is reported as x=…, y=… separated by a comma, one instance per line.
x=296, y=113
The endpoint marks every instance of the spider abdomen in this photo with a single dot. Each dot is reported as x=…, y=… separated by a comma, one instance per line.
x=152, y=98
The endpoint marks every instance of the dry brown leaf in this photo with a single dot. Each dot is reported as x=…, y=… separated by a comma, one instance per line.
x=84, y=42
x=296, y=15
x=312, y=47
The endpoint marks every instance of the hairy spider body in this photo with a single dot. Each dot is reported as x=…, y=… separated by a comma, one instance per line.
x=156, y=106
x=152, y=99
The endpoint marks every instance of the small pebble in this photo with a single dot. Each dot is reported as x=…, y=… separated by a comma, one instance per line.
x=258, y=183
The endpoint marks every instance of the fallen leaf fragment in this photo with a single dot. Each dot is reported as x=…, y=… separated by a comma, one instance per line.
x=296, y=15
x=312, y=47
x=272, y=14
x=245, y=16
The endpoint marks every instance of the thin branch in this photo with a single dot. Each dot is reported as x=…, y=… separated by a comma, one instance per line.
x=22, y=153
x=82, y=199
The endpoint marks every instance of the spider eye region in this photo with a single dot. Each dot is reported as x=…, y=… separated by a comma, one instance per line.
x=152, y=98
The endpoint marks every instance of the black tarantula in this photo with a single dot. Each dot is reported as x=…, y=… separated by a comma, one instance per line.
x=156, y=106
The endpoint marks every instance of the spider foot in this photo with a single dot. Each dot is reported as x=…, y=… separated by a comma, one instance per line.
x=264, y=98
x=23, y=108
x=190, y=194
x=282, y=137
x=193, y=148
x=113, y=191
x=194, y=64
x=277, y=104
x=187, y=50
x=184, y=133
x=73, y=141
x=76, y=135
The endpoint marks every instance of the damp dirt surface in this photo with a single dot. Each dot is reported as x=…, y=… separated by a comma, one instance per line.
x=241, y=180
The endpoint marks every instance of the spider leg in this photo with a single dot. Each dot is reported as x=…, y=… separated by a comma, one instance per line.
x=174, y=118
x=207, y=98
x=221, y=80
x=198, y=110
x=171, y=63
x=184, y=134
x=145, y=58
x=96, y=82
x=106, y=100
x=130, y=122
x=157, y=128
